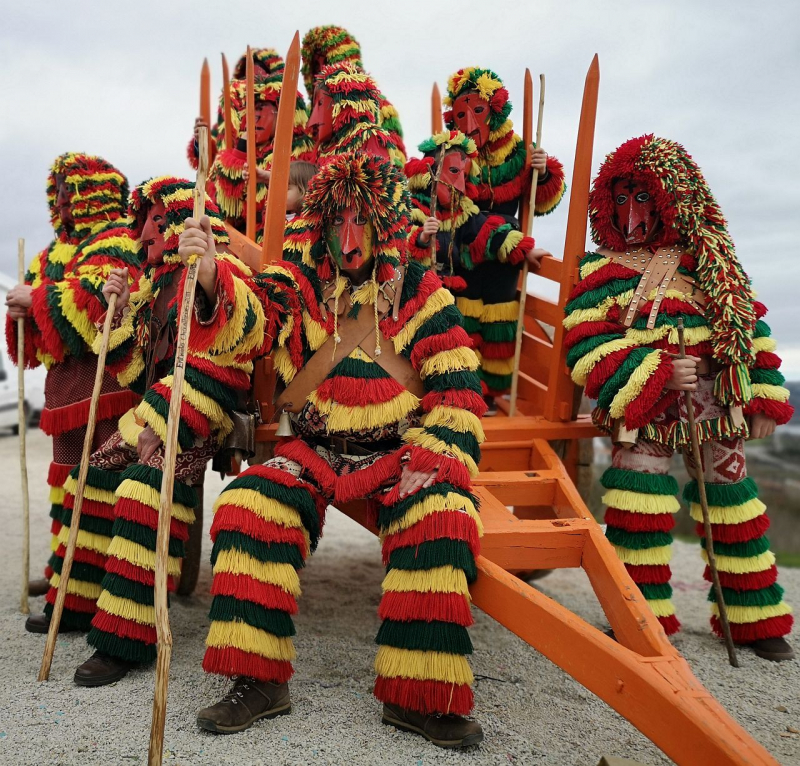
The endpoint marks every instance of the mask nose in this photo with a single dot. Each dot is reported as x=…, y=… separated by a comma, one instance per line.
x=351, y=239
x=470, y=123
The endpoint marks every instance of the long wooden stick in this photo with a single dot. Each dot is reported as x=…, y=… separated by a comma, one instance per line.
x=72, y=540
x=701, y=486
x=250, y=109
x=230, y=142
x=205, y=102
x=23, y=459
x=523, y=293
x=163, y=632
x=437, y=125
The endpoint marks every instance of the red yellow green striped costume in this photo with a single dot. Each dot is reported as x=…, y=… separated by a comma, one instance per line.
x=335, y=45
x=269, y=519
x=489, y=301
x=356, y=114
x=66, y=278
x=626, y=369
x=230, y=189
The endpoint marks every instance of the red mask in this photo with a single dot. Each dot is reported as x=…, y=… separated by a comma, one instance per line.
x=452, y=177
x=349, y=239
x=155, y=225
x=471, y=116
x=320, y=124
x=64, y=202
x=266, y=117
x=317, y=62
x=635, y=214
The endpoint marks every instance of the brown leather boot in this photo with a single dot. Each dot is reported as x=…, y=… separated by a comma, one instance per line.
x=441, y=730
x=247, y=702
x=38, y=587
x=775, y=649
x=102, y=669
x=40, y=623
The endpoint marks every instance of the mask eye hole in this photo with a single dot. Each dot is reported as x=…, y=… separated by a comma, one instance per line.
x=360, y=220
x=642, y=196
x=338, y=220
x=480, y=109
x=621, y=199
x=460, y=115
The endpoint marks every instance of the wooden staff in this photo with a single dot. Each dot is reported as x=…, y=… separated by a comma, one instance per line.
x=205, y=102
x=72, y=540
x=437, y=126
x=701, y=486
x=23, y=459
x=275, y=213
x=250, y=110
x=528, y=230
x=163, y=632
x=436, y=171
x=230, y=142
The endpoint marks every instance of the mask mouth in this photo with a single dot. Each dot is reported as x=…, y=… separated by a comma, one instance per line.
x=352, y=256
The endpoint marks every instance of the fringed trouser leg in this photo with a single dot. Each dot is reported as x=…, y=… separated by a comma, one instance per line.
x=498, y=341
x=747, y=571
x=641, y=501
x=429, y=541
x=94, y=535
x=266, y=523
x=124, y=625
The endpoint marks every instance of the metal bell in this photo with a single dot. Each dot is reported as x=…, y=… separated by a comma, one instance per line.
x=284, y=425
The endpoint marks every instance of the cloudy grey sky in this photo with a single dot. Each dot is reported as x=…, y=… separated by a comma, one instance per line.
x=121, y=80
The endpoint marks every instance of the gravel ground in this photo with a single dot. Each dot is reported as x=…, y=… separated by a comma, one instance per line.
x=531, y=712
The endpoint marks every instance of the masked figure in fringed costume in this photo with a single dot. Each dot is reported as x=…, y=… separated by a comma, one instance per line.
x=380, y=381
x=113, y=573
x=267, y=63
x=665, y=253
x=477, y=105
x=229, y=172
x=466, y=239
x=323, y=46
x=87, y=198
x=345, y=116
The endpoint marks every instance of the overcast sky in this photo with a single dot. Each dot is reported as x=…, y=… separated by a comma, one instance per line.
x=122, y=79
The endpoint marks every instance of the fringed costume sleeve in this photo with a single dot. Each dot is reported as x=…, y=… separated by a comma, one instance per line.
x=624, y=370
x=230, y=185
x=223, y=342
x=492, y=238
x=430, y=335
x=770, y=397
x=551, y=189
x=33, y=339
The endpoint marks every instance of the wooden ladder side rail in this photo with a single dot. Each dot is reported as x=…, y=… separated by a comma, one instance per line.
x=658, y=695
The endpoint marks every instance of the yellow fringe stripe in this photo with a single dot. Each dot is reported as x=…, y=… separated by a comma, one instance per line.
x=647, y=556
x=344, y=419
x=764, y=344
x=500, y=312
x=140, y=556
x=586, y=363
x=284, y=365
x=733, y=514
x=150, y=496
x=498, y=366
x=56, y=496
x=738, y=565
x=127, y=609
x=444, y=579
x=240, y=635
x=87, y=540
x=639, y=502
x=631, y=390
x=693, y=335
x=766, y=391
x=89, y=492
x=420, y=438
x=238, y=562
x=438, y=301
x=596, y=314
x=316, y=334
x=77, y=318
x=129, y=429
x=264, y=507
x=449, y=361
x=90, y=590
x=451, y=502
x=662, y=607
x=745, y=614
x=391, y=662
x=470, y=307
x=590, y=268
x=455, y=419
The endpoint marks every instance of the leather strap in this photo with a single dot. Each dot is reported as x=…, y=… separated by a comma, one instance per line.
x=659, y=272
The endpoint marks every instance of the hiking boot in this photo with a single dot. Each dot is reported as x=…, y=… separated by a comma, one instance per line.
x=40, y=623
x=775, y=649
x=441, y=730
x=247, y=702
x=102, y=669
x=38, y=587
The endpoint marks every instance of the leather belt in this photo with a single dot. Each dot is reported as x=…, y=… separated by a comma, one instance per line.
x=343, y=446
